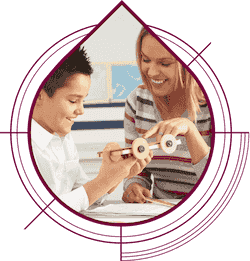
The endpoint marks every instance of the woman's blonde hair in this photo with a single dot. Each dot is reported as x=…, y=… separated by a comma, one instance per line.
x=194, y=95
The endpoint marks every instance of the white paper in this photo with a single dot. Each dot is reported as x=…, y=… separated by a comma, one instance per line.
x=131, y=209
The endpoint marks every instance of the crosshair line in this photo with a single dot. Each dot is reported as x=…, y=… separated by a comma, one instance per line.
x=199, y=53
x=39, y=214
x=120, y=243
x=12, y=132
x=232, y=132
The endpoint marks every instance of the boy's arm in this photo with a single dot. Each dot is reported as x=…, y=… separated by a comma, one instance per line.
x=77, y=199
x=82, y=179
x=113, y=172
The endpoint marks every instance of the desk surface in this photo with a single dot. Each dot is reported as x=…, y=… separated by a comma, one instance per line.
x=116, y=211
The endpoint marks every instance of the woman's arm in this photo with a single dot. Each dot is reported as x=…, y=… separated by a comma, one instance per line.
x=197, y=146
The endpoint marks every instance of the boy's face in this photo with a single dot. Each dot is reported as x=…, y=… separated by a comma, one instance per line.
x=57, y=113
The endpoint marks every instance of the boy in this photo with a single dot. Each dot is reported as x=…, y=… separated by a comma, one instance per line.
x=58, y=104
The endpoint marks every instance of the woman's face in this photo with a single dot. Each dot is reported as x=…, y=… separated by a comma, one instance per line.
x=159, y=66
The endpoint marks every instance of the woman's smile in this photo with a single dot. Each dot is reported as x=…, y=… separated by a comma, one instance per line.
x=158, y=81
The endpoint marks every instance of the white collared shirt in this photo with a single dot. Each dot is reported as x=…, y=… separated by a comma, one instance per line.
x=58, y=162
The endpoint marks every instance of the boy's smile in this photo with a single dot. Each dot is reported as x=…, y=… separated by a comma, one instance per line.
x=57, y=114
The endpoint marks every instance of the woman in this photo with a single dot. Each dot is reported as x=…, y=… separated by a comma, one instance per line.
x=169, y=102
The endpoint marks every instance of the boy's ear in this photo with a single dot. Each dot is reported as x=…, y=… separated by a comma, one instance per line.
x=41, y=97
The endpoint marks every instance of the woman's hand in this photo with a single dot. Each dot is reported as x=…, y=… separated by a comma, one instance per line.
x=198, y=148
x=135, y=193
x=174, y=127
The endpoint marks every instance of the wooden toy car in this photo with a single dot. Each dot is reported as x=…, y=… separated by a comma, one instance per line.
x=140, y=148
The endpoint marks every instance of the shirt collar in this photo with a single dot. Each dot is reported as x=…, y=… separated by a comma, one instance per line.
x=42, y=137
x=39, y=135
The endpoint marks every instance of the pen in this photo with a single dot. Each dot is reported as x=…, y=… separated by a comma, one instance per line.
x=161, y=202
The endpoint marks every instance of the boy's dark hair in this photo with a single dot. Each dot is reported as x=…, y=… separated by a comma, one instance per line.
x=78, y=62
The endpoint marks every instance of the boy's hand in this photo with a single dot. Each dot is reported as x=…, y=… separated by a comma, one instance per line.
x=114, y=168
x=140, y=165
x=135, y=193
x=137, y=167
x=113, y=172
x=113, y=189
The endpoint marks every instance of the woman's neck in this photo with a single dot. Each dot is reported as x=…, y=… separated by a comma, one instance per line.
x=175, y=98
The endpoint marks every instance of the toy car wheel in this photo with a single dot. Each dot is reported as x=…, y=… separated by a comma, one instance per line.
x=140, y=148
